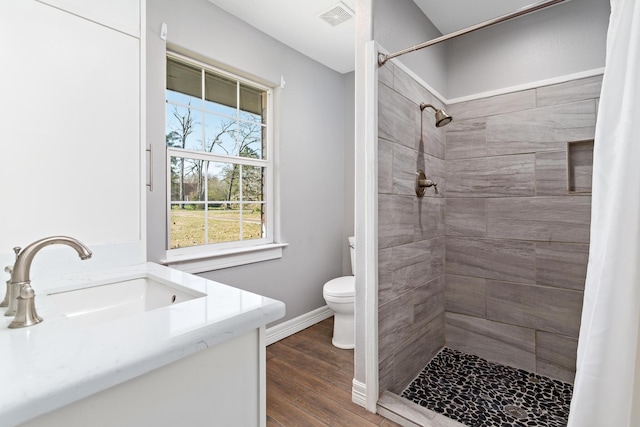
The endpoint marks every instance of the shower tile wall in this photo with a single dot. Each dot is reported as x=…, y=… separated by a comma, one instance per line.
x=411, y=231
x=516, y=239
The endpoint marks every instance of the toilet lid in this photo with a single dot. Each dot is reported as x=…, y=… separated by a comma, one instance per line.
x=341, y=287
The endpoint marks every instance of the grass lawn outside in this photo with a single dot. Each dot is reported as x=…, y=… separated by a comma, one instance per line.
x=187, y=226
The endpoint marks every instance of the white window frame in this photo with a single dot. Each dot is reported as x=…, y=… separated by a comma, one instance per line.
x=195, y=259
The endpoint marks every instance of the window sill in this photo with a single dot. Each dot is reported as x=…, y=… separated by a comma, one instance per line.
x=199, y=263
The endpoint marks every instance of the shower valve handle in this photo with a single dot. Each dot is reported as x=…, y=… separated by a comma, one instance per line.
x=429, y=183
x=422, y=183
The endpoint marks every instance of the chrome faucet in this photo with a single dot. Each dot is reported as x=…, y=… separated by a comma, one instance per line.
x=26, y=314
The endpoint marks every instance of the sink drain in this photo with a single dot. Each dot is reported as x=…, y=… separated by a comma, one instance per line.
x=515, y=411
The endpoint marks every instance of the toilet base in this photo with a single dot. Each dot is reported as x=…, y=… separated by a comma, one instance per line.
x=344, y=347
x=343, y=331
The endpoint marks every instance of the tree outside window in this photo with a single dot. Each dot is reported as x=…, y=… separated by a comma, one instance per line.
x=216, y=128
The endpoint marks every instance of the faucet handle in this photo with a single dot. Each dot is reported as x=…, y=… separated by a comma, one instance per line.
x=17, y=250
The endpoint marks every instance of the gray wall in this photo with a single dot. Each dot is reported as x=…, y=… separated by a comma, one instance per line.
x=310, y=128
x=399, y=24
x=411, y=243
x=349, y=167
x=517, y=240
x=561, y=40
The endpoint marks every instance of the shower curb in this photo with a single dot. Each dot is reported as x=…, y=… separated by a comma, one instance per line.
x=410, y=414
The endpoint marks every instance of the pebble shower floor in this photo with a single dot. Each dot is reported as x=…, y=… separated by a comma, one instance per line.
x=479, y=393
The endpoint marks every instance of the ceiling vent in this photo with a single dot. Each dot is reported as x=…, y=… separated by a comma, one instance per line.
x=337, y=14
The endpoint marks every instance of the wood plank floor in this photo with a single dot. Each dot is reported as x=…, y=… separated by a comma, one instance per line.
x=309, y=383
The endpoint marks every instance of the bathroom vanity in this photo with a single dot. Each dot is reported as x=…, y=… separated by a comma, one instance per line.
x=132, y=355
x=192, y=353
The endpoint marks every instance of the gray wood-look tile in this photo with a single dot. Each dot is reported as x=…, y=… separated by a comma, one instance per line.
x=572, y=91
x=429, y=214
x=465, y=295
x=497, y=342
x=466, y=217
x=414, y=354
x=431, y=140
x=516, y=336
x=561, y=265
x=386, y=291
x=395, y=220
x=428, y=302
x=508, y=260
x=554, y=371
x=395, y=324
x=541, y=129
x=435, y=170
x=417, y=263
x=385, y=166
x=408, y=87
x=467, y=139
x=551, y=173
x=500, y=104
x=406, y=161
x=397, y=117
x=385, y=373
x=492, y=176
x=556, y=355
x=385, y=74
x=559, y=219
x=536, y=307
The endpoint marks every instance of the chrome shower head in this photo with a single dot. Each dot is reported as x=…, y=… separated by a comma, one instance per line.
x=442, y=118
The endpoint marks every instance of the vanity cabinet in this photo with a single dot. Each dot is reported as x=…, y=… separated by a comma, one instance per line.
x=220, y=386
x=199, y=362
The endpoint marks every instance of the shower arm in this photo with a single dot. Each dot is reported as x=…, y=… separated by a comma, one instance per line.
x=383, y=58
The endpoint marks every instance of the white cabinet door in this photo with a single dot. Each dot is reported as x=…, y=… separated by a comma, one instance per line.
x=70, y=128
x=122, y=15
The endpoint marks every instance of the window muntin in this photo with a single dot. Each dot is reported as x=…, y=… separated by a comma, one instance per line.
x=218, y=162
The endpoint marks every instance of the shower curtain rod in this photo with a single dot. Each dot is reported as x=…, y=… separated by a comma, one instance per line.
x=382, y=58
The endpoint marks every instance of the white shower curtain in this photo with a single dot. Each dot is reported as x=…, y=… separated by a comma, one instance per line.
x=607, y=385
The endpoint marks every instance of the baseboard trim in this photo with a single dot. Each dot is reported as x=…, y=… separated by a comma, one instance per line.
x=359, y=393
x=291, y=326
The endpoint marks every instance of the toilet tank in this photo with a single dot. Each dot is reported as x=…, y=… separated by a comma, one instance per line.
x=352, y=252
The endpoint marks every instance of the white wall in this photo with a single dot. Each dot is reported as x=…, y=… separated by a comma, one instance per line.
x=310, y=125
x=399, y=24
x=561, y=40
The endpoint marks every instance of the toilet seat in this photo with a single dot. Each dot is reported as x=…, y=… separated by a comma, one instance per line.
x=340, y=287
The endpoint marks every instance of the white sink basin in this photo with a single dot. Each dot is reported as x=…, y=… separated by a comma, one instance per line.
x=108, y=301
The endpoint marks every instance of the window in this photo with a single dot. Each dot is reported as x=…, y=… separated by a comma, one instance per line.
x=219, y=165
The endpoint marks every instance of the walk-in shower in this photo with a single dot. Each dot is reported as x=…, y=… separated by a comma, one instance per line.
x=480, y=282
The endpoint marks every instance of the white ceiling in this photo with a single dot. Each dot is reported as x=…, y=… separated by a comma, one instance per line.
x=297, y=24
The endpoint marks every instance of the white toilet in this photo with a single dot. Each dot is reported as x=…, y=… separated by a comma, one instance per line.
x=339, y=293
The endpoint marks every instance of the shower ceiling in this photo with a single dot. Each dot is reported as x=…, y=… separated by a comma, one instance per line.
x=297, y=23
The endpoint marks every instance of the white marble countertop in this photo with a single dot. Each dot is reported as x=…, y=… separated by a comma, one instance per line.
x=61, y=360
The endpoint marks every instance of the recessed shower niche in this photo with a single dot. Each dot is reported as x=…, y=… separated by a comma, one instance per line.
x=579, y=166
